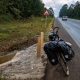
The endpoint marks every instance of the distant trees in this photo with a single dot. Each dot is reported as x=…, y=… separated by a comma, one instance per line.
x=63, y=11
x=21, y=8
x=73, y=11
x=77, y=10
x=51, y=12
x=70, y=11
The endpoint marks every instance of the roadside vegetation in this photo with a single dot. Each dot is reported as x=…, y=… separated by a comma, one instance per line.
x=72, y=11
x=20, y=22
x=20, y=9
x=17, y=33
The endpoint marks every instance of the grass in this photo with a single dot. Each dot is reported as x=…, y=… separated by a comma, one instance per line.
x=19, y=31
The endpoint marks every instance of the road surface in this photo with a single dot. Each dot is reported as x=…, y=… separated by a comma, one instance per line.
x=69, y=31
x=72, y=26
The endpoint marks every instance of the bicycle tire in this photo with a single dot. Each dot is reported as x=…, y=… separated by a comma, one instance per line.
x=64, y=65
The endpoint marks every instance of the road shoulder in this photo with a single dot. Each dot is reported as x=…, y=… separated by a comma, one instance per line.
x=74, y=65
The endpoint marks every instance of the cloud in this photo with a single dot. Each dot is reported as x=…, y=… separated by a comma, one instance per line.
x=57, y=4
x=46, y=1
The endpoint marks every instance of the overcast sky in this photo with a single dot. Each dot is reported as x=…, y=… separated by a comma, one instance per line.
x=57, y=4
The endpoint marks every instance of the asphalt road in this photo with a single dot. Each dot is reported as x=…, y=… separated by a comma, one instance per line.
x=66, y=32
x=72, y=26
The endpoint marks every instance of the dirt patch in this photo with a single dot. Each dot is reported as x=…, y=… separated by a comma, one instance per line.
x=5, y=49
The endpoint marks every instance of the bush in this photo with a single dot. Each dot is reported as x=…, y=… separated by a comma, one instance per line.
x=6, y=18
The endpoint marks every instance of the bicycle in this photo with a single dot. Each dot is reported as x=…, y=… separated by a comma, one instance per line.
x=61, y=58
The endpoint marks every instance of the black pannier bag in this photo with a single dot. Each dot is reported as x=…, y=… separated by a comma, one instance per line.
x=66, y=50
x=53, y=47
x=50, y=49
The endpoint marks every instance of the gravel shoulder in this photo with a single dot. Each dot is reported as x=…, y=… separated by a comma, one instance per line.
x=24, y=66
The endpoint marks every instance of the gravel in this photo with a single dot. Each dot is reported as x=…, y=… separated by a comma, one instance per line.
x=24, y=66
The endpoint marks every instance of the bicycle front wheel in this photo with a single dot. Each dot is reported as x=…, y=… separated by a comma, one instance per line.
x=64, y=65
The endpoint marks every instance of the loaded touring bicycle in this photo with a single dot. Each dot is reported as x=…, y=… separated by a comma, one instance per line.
x=58, y=51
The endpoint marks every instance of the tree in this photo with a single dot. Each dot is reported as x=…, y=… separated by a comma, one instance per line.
x=37, y=7
x=21, y=8
x=51, y=12
x=70, y=11
x=63, y=10
x=77, y=10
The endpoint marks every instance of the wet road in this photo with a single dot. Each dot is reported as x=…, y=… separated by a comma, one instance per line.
x=72, y=26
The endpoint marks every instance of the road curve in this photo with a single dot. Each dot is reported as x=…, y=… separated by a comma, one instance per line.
x=72, y=26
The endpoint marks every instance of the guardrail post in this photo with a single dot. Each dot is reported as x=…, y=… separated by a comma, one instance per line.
x=39, y=47
x=40, y=44
x=42, y=40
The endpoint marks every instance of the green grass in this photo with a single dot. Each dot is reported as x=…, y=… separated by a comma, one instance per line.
x=17, y=31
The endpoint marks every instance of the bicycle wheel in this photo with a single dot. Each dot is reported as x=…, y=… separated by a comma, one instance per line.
x=64, y=65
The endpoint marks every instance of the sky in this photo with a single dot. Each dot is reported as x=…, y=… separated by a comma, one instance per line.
x=57, y=4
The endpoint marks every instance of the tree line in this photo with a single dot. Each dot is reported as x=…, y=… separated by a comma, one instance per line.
x=20, y=9
x=72, y=11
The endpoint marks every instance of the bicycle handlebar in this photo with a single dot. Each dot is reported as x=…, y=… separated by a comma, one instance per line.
x=54, y=29
x=54, y=34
